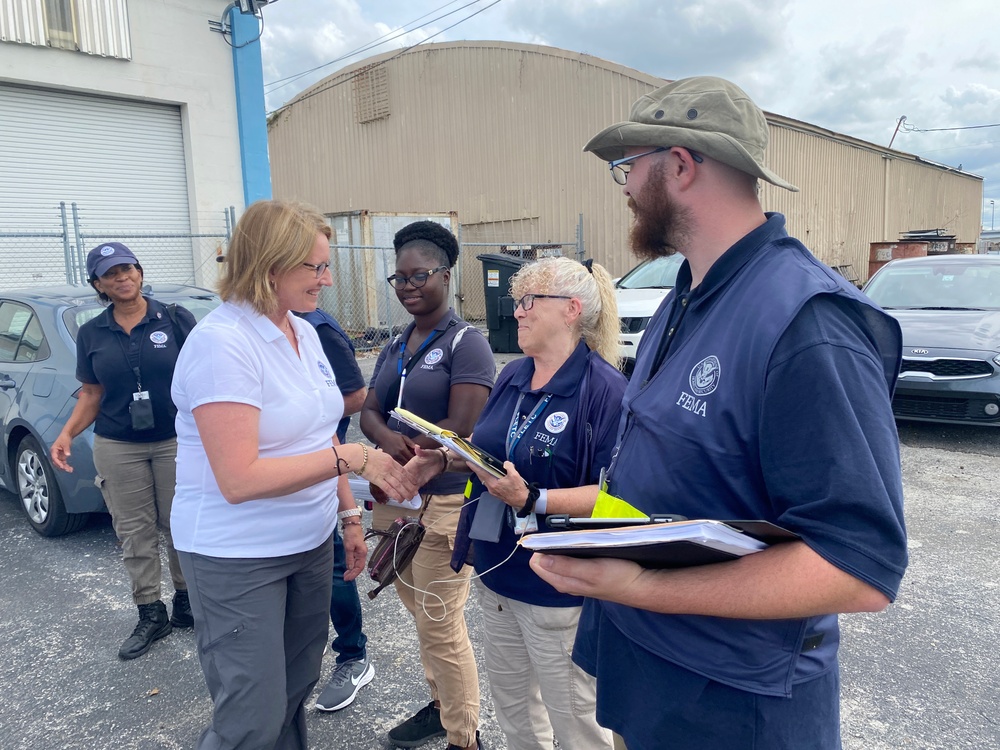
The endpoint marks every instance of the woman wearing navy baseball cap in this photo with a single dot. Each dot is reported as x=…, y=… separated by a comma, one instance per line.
x=125, y=360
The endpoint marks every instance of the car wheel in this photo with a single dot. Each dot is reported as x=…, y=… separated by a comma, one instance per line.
x=40, y=496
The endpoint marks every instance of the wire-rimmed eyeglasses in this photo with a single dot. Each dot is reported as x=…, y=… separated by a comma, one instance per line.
x=319, y=268
x=417, y=280
x=528, y=301
x=621, y=167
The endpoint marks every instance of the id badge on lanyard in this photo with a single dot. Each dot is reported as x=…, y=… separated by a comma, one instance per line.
x=525, y=525
x=140, y=408
x=528, y=523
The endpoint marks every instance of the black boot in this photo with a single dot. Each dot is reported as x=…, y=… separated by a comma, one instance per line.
x=181, y=616
x=153, y=625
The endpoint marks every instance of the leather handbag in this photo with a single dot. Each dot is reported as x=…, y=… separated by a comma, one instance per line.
x=394, y=552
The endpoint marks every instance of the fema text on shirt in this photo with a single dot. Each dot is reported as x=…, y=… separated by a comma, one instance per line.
x=703, y=380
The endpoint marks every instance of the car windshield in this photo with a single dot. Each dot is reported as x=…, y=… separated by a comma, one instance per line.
x=937, y=286
x=200, y=306
x=654, y=274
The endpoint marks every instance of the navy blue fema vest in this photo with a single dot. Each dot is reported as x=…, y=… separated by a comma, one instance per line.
x=700, y=411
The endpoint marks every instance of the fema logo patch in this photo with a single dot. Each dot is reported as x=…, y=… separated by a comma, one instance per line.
x=158, y=337
x=556, y=422
x=433, y=357
x=107, y=250
x=705, y=376
x=323, y=369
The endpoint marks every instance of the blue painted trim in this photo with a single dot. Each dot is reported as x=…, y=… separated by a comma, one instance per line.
x=250, y=112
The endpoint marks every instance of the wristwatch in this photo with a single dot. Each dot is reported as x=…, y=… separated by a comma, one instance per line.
x=348, y=513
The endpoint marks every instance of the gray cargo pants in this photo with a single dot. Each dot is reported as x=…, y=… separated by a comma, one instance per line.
x=261, y=625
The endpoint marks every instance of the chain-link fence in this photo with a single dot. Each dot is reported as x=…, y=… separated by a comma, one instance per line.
x=47, y=245
x=35, y=245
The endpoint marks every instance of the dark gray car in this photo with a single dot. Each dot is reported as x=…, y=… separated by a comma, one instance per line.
x=949, y=309
x=38, y=389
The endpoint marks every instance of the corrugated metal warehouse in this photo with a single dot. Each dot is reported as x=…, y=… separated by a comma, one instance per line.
x=494, y=130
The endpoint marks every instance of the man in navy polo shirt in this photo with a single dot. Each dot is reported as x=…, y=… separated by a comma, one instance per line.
x=761, y=390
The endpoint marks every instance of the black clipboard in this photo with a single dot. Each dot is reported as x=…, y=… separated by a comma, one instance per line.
x=563, y=522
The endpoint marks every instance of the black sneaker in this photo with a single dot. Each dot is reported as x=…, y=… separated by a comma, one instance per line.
x=153, y=625
x=181, y=616
x=422, y=727
x=479, y=744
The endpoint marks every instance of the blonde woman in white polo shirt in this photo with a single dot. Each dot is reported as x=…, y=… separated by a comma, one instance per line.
x=261, y=481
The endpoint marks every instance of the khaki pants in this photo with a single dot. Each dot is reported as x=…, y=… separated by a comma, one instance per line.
x=137, y=481
x=537, y=689
x=445, y=649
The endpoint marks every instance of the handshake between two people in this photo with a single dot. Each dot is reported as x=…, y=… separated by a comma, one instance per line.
x=420, y=465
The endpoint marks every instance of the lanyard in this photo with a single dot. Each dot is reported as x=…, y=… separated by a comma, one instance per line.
x=401, y=370
x=128, y=362
x=514, y=434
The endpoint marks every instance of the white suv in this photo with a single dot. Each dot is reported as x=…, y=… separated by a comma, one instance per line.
x=640, y=292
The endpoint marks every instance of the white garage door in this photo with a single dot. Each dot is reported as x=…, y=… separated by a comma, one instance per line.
x=121, y=162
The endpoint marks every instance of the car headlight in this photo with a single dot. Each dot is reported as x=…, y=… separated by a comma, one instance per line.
x=997, y=359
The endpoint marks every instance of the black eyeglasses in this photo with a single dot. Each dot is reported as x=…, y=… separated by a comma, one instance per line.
x=417, y=280
x=319, y=269
x=528, y=300
x=621, y=167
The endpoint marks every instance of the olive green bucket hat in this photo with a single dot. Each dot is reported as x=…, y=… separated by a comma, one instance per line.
x=708, y=115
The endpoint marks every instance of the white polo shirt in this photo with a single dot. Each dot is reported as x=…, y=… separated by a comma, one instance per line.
x=236, y=355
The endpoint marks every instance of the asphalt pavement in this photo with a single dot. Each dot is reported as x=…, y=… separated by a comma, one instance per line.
x=923, y=674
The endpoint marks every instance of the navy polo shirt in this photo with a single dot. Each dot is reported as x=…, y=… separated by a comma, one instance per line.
x=340, y=353
x=772, y=401
x=430, y=373
x=566, y=445
x=106, y=356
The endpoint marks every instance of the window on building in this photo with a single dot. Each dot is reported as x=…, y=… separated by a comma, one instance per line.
x=94, y=27
x=371, y=94
x=60, y=23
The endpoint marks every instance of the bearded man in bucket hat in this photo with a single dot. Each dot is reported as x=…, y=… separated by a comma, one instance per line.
x=761, y=390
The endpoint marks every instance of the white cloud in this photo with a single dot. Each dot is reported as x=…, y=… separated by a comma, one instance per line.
x=853, y=66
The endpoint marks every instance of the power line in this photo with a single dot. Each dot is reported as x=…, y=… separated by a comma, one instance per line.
x=393, y=57
x=394, y=34
x=914, y=129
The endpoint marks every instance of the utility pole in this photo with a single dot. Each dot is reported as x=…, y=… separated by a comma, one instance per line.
x=899, y=123
x=993, y=213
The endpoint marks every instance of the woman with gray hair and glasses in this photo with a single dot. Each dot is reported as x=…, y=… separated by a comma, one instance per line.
x=553, y=417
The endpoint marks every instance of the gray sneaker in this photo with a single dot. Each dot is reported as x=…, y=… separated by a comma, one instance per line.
x=348, y=678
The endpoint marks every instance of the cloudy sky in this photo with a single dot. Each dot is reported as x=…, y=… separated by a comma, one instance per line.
x=853, y=66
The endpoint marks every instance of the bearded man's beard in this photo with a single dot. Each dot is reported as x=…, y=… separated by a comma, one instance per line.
x=659, y=227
